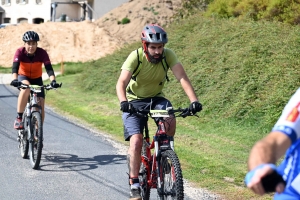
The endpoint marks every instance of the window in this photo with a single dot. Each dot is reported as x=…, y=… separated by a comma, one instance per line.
x=21, y=1
x=5, y=2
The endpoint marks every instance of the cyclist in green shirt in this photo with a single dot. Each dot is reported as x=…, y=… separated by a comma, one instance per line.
x=144, y=88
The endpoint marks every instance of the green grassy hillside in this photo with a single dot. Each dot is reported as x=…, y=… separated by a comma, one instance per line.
x=243, y=72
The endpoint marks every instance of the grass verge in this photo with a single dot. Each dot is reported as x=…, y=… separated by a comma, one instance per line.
x=244, y=72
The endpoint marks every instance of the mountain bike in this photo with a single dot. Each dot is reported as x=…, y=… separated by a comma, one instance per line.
x=31, y=137
x=161, y=169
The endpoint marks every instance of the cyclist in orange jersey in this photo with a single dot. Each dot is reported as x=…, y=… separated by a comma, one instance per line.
x=27, y=68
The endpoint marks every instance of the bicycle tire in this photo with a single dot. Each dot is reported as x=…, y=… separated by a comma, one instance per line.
x=36, y=141
x=171, y=177
x=145, y=189
x=24, y=143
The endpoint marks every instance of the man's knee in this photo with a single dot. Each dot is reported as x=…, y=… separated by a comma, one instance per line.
x=136, y=142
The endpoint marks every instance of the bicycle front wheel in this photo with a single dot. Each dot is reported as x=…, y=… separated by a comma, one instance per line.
x=36, y=140
x=171, y=177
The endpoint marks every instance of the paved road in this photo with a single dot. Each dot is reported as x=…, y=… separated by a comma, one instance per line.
x=76, y=163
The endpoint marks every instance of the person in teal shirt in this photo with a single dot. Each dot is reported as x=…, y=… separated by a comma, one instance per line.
x=144, y=89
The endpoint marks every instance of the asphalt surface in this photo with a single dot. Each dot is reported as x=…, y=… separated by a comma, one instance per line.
x=76, y=162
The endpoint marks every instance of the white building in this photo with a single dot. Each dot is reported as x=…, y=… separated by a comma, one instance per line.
x=40, y=11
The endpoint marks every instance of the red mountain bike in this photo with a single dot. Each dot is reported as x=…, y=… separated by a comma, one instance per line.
x=161, y=170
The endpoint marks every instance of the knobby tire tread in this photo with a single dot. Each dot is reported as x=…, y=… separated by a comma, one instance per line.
x=177, y=172
x=35, y=156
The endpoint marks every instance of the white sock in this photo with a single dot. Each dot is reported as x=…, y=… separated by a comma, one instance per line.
x=135, y=186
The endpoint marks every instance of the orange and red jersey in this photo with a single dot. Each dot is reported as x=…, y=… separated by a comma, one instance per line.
x=31, y=65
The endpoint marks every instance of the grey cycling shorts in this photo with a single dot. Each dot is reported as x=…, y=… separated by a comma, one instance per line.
x=36, y=81
x=135, y=125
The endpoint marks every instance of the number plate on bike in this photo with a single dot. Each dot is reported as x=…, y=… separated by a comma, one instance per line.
x=159, y=113
x=36, y=88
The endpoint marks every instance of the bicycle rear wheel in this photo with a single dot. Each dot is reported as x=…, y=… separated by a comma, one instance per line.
x=145, y=189
x=36, y=140
x=171, y=177
x=24, y=143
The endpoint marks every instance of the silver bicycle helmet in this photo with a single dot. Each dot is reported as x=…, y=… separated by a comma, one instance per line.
x=153, y=33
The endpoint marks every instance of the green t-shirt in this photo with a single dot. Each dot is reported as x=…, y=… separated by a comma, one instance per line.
x=151, y=78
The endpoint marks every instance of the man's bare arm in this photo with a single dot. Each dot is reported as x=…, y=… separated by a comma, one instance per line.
x=269, y=149
x=181, y=76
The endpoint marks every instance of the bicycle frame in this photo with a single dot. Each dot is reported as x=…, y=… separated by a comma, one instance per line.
x=160, y=170
x=161, y=142
x=31, y=106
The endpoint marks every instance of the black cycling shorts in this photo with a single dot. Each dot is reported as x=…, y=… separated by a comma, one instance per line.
x=135, y=125
x=36, y=81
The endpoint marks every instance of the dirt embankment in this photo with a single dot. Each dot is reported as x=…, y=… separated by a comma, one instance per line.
x=84, y=41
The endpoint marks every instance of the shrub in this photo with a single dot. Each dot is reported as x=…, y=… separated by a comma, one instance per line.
x=273, y=10
x=125, y=20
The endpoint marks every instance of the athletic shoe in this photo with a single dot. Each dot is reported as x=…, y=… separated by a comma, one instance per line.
x=18, y=124
x=135, y=194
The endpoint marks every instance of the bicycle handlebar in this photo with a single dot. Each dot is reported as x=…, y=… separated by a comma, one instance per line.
x=37, y=88
x=181, y=112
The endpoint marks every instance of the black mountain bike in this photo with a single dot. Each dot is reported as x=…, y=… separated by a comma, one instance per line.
x=31, y=137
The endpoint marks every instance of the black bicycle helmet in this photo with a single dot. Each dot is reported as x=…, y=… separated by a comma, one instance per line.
x=30, y=36
x=153, y=33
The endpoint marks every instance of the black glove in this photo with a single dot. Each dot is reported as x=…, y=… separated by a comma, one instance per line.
x=195, y=107
x=54, y=84
x=125, y=106
x=270, y=181
x=15, y=83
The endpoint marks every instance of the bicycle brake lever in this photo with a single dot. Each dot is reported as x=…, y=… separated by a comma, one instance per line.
x=23, y=86
x=184, y=115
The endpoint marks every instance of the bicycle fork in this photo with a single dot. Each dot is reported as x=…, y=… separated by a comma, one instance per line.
x=162, y=142
x=28, y=120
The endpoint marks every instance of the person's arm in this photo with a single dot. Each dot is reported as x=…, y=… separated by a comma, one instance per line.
x=265, y=152
x=181, y=76
x=15, y=69
x=122, y=83
x=268, y=149
x=50, y=71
